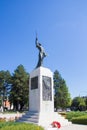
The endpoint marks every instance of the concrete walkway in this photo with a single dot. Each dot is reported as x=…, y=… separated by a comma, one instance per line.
x=74, y=127
x=70, y=127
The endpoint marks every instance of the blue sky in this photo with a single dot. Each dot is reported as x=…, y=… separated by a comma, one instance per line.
x=62, y=30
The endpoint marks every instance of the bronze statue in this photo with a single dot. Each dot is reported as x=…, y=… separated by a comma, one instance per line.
x=42, y=53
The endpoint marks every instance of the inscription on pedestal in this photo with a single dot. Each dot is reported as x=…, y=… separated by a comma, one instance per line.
x=46, y=88
x=34, y=82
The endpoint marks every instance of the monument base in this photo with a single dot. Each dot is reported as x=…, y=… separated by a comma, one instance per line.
x=44, y=119
x=41, y=100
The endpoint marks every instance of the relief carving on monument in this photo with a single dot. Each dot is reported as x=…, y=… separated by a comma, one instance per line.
x=46, y=88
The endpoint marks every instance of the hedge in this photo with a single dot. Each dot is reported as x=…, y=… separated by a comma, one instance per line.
x=80, y=120
x=74, y=114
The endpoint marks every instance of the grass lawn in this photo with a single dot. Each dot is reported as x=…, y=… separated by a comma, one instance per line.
x=18, y=126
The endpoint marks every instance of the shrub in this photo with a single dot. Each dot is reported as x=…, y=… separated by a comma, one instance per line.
x=80, y=120
x=73, y=114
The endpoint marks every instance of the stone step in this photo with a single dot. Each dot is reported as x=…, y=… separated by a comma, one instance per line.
x=28, y=122
x=31, y=114
x=29, y=117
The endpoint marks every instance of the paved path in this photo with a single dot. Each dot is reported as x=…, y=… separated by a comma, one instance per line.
x=10, y=116
x=71, y=127
x=74, y=127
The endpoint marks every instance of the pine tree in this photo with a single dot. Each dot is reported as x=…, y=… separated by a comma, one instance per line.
x=20, y=88
x=62, y=96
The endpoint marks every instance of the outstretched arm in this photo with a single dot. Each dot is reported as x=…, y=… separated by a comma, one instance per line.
x=36, y=41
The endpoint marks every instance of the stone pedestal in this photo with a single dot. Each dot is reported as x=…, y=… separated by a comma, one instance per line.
x=41, y=90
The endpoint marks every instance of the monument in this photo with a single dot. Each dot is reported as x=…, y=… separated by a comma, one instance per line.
x=41, y=98
x=41, y=95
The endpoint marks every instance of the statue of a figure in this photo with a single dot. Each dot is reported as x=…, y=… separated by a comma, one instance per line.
x=42, y=53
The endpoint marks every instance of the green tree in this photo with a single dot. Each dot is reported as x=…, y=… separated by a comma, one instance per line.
x=82, y=104
x=20, y=88
x=62, y=97
x=86, y=102
x=78, y=103
x=75, y=103
x=5, y=85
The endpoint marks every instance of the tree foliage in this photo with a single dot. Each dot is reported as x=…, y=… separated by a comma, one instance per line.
x=86, y=102
x=20, y=88
x=5, y=84
x=78, y=103
x=62, y=96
